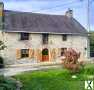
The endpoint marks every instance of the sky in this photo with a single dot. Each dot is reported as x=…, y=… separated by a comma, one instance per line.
x=58, y=7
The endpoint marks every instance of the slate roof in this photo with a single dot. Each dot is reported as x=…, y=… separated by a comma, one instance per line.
x=41, y=23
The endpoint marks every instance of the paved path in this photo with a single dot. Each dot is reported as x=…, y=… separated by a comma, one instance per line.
x=17, y=70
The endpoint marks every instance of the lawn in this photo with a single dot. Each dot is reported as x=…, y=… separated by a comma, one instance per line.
x=55, y=79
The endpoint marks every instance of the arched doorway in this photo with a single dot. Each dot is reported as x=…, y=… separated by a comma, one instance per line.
x=45, y=54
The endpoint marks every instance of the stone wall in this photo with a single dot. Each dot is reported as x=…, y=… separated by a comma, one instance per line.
x=13, y=42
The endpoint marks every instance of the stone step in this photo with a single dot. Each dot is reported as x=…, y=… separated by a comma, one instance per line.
x=34, y=64
x=17, y=70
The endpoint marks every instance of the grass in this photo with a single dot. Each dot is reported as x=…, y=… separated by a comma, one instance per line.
x=54, y=79
x=88, y=69
x=49, y=80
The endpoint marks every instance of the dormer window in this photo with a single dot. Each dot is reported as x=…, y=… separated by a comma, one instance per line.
x=64, y=37
x=24, y=36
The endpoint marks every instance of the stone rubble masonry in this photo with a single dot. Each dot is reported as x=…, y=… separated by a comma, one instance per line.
x=13, y=42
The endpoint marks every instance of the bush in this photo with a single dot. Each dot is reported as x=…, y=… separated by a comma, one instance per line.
x=89, y=71
x=71, y=61
x=1, y=62
x=1, y=78
x=7, y=83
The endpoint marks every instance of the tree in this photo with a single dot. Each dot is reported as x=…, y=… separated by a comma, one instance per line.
x=91, y=41
x=2, y=46
x=71, y=60
x=91, y=38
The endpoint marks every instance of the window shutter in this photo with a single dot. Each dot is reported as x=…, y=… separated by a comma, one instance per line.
x=18, y=53
x=31, y=53
x=39, y=55
x=59, y=52
x=56, y=53
x=35, y=54
x=51, y=54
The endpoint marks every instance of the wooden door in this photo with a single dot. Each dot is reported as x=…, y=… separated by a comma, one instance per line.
x=45, y=54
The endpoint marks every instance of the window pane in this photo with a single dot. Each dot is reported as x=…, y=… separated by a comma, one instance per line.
x=64, y=37
x=63, y=50
x=24, y=53
x=24, y=36
x=45, y=38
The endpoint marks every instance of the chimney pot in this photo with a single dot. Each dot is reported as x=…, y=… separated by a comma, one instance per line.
x=69, y=13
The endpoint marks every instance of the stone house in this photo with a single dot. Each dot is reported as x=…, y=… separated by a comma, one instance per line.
x=34, y=37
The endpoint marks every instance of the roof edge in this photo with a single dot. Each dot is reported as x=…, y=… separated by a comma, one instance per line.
x=15, y=11
x=45, y=32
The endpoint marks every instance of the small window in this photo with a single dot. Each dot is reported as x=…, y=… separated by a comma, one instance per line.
x=64, y=37
x=45, y=38
x=24, y=53
x=63, y=50
x=24, y=36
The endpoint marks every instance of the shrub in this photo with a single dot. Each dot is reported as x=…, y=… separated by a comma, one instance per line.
x=1, y=78
x=1, y=62
x=71, y=61
x=8, y=83
x=89, y=71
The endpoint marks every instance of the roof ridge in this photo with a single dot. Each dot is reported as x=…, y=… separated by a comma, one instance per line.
x=14, y=11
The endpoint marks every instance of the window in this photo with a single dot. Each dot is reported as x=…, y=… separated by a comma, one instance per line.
x=45, y=38
x=64, y=37
x=24, y=53
x=45, y=51
x=63, y=50
x=24, y=36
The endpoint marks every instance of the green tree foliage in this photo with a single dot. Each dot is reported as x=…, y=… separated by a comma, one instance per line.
x=2, y=46
x=91, y=41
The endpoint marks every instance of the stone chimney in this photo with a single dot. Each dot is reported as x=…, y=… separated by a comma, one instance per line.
x=69, y=13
